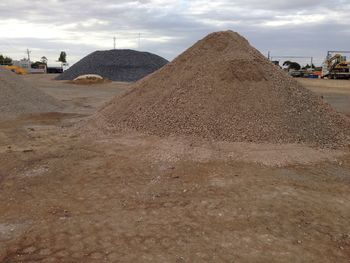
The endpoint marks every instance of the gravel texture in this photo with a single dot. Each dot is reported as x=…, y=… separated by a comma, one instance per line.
x=18, y=96
x=224, y=89
x=117, y=65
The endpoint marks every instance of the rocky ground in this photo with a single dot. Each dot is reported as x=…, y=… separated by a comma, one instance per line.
x=68, y=197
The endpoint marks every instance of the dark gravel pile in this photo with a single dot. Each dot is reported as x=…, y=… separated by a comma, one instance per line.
x=117, y=65
x=18, y=96
x=224, y=89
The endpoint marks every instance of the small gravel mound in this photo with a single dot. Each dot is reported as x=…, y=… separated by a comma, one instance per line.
x=224, y=89
x=18, y=96
x=117, y=65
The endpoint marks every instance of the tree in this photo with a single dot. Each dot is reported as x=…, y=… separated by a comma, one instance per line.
x=287, y=63
x=291, y=65
x=44, y=60
x=5, y=60
x=38, y=64
x=306, y=67
x=62, y=57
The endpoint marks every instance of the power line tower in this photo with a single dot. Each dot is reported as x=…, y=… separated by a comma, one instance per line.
x=114, y=41
x=28, y=53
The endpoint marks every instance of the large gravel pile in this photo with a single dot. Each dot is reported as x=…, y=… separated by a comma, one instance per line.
x=117, y=65
x=17, y=96
x=224, y=89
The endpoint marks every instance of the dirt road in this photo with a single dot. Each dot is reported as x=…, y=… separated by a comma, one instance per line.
x=68, y=197
x=336, y=92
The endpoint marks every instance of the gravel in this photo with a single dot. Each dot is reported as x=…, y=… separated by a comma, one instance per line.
x=117, y=65
x=18, y=96
x=224, y=89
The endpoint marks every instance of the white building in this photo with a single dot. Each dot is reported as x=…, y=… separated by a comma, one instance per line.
x=23, y=63
x=27, y=65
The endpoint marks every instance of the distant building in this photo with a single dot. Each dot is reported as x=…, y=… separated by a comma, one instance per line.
x=27, y=66
x=53, y=67
x=23, y=63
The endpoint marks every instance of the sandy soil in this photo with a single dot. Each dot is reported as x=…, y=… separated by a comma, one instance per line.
x=135, y=198
x=78, y=98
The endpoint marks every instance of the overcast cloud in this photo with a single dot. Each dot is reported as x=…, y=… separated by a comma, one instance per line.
x=285, y=27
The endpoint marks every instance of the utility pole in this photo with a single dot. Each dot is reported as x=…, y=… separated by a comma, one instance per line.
x=114, y=39
x=28, y=53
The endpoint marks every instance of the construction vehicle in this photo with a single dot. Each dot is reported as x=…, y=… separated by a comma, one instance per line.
x=17, y=70
x=336, y=65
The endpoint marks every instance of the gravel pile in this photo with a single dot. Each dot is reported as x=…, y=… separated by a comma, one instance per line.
x=17, y=96
x=224, y=89
x=117, y=65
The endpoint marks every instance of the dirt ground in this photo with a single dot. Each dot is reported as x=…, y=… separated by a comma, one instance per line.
x=70, y=197
x=336, y=92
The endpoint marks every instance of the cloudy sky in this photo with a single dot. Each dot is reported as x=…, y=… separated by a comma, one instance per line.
x=168, y=27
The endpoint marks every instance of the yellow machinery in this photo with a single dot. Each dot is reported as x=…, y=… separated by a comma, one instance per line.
x=336, y=66
x=17, y=70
